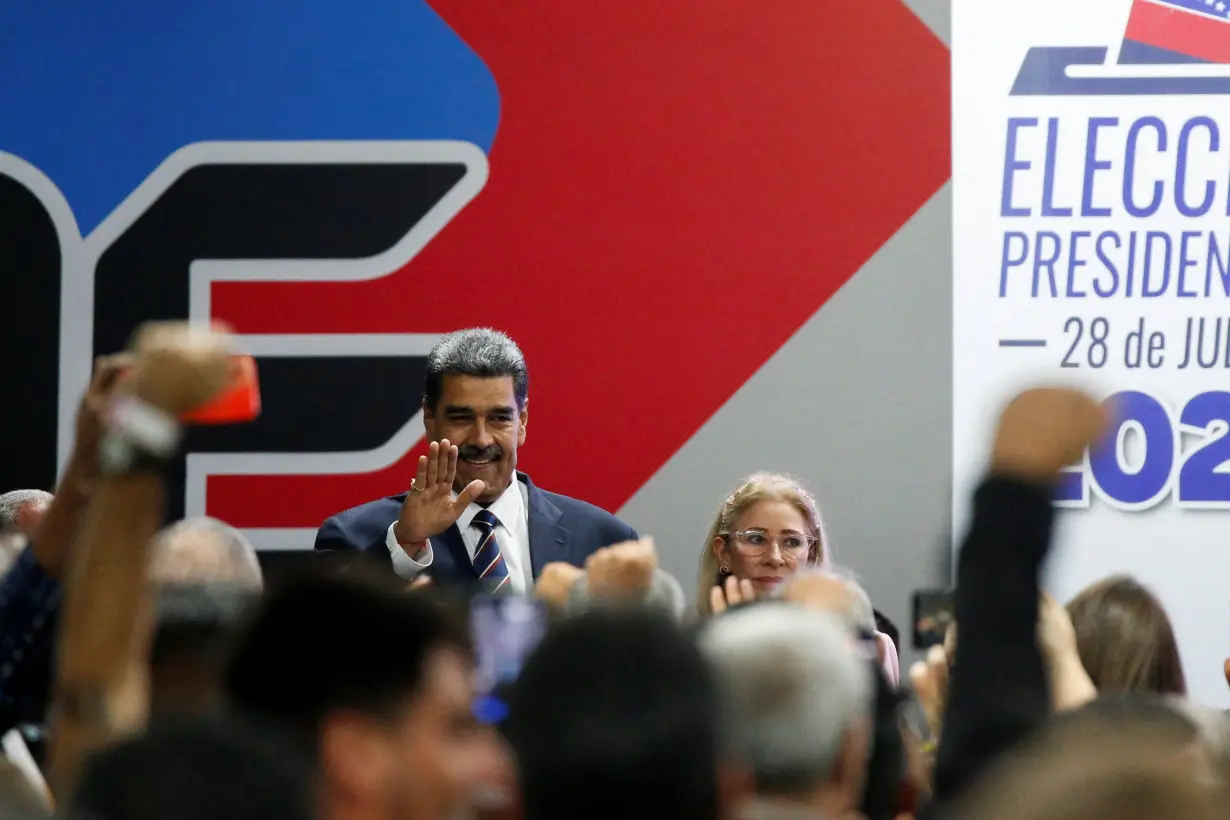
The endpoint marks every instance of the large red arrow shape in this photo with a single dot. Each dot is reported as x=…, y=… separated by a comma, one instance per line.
x=676, y=187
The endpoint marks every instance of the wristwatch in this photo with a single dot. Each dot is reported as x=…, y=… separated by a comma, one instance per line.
x=118, y=456
x=138, y=438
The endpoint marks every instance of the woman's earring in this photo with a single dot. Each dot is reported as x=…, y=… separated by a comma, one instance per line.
x=725, y=570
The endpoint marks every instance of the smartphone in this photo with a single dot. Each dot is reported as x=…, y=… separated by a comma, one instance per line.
x=934, y=612
x=505, y=631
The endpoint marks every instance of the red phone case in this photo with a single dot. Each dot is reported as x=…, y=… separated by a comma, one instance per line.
x=239, y=402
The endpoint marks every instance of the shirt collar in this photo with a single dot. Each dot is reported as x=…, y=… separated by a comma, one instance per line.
x=509, y=507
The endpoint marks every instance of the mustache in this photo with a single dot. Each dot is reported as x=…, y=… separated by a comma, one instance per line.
x=471, y=453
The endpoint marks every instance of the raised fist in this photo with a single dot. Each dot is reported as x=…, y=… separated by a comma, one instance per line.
x=1044, y=430
x=555, y=583
x=177, y=367
x=623, y=570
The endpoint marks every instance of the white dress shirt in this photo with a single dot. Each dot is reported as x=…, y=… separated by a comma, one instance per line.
x=513, y=535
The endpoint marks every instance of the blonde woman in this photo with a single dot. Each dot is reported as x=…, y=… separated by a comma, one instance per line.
x=764, y=532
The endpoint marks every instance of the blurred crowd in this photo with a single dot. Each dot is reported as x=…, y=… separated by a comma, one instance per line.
x=478, y=646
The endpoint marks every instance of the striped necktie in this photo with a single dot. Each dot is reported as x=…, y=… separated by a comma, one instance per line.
x=488, y=560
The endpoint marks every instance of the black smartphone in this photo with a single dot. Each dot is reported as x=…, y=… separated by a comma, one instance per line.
x=933, y=614
x=505, y=631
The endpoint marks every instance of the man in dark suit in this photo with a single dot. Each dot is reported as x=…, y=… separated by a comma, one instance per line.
x=470, y=517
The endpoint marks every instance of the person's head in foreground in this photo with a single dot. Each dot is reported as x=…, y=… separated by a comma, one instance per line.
x=836, y=591
x=373, y=684
x=615, y=716
x=1125, y=640
x=797, y=703
x=203, y=550
x=199, y=770
x=1126, y=757
x=205, y=574
x=763, y=532
x=196, y=625
x=21, y=511
x=21, y=514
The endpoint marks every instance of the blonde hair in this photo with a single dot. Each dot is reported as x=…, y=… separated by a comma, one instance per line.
x=757, y=488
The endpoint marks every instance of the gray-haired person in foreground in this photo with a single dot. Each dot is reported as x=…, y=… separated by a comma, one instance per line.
x=837, y=591
x=20, y=512
x=203, y=550
x=798, y=708
x=665, y=594
x=621, y=575
x=19, y=508
x=650, y=588
x=206, y=574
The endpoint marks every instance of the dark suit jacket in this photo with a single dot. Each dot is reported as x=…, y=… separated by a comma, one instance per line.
x=561, y=529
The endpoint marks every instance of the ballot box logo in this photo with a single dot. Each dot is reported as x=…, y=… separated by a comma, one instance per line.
x=1168, y=47
x=1113, y=234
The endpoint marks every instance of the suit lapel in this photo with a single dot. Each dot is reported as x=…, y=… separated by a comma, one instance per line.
x=549, y=541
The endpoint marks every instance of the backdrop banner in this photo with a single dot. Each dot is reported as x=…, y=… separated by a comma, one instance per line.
x=1091, y=173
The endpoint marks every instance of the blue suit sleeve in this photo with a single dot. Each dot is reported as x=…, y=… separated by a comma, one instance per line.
x=29, y=609
x=351, y=533
x=332, y=536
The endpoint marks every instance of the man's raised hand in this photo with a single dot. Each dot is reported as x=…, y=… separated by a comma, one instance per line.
x=430, y=508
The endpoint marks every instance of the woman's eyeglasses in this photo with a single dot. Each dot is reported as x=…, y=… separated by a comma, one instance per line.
x=758, y=542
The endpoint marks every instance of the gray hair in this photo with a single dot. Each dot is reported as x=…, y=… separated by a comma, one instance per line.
x=859, y=616
x=793, y=688
x=481, y=352
x=665, y=594
x=203, y=550
x=12, y=502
